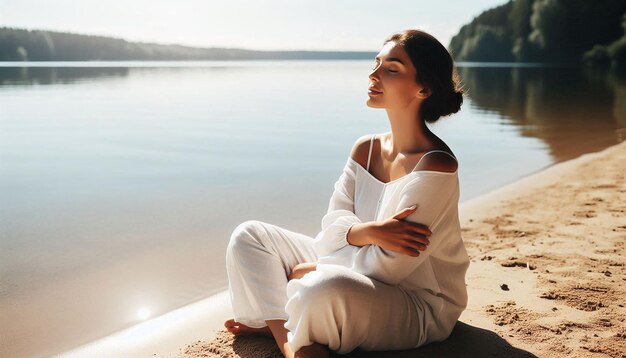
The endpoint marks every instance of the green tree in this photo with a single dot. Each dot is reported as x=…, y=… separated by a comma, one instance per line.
x=559, y=31
x=489, y=43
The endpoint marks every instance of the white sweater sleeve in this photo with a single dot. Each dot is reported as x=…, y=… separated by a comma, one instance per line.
x=340, y=215
x=434, y=196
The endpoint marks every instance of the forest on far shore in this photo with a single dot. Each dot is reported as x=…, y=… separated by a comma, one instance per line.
x=592, y=32
x=39, y=45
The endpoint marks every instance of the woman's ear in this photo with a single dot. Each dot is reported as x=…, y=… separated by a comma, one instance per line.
x=423, y=93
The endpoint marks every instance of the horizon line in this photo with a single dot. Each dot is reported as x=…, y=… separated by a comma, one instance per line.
x=173, y=44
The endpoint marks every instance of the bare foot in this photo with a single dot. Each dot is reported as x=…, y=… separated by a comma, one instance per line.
x=238, y=328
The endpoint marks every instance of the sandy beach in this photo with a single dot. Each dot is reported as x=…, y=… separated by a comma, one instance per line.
x=547, y=277
x=556, y=240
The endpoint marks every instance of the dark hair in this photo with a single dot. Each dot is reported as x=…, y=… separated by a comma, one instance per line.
x=435, y=70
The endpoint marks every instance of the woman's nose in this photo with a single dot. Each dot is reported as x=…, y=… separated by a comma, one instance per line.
x=374, y=74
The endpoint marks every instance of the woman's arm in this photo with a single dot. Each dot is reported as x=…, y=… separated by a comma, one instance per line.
x=340, y=215
x=433, y=193
x=394, y=233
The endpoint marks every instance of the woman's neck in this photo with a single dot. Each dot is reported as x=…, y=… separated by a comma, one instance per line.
x=409, y=134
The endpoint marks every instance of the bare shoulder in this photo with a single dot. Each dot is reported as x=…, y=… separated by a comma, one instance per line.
x=360, y=150
x=438, y=161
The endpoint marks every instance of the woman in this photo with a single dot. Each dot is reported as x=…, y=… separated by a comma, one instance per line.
x=382, y=274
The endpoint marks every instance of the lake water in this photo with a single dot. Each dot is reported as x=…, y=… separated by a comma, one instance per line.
x=120, y=183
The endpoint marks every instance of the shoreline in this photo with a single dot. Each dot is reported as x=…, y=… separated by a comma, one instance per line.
x=168, y=334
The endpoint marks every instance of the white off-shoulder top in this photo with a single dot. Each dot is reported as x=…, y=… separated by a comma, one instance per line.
x=435, y=278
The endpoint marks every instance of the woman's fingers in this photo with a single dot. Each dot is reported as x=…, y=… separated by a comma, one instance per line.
x=405, y=212
x=410, y=251
x=414, y=245
x=419, y=238
x=406, y=247
x=420, y=228
x=404, y=236
x=419, y=233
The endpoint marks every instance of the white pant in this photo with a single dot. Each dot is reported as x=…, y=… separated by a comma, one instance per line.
x=341, y=309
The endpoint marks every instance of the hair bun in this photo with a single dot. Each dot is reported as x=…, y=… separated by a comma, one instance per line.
x=437, y=106
x=455, y=101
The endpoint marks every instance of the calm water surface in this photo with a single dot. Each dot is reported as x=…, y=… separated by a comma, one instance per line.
x=121, y=183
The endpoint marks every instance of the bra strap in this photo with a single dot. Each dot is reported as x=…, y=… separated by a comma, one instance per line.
x=369, y=155
x=435, y=150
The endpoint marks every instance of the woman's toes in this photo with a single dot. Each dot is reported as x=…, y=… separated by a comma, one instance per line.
x=229, y=323
x=237, y=328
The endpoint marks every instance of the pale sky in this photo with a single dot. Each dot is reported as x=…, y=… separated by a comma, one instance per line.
x=340, y=25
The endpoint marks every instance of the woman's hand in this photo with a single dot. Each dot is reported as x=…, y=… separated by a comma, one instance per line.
x=399, y=235
x=302, y=269
x=393, y=234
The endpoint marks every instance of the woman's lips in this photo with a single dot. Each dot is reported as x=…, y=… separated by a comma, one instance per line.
x=373, y=92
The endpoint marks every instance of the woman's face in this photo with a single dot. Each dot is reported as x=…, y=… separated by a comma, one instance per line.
x=393, y=76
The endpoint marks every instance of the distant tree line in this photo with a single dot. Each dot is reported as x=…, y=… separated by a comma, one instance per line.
x=553, y=31
x=37, y=45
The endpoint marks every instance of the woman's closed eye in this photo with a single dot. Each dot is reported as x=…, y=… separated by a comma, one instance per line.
x=378, y=63
x=392, y=71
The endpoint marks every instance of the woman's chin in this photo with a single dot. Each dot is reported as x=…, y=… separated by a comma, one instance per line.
x=372, y=104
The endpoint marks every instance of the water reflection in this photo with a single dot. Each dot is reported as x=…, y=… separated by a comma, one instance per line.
x=26, y=76
x=573, y=111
